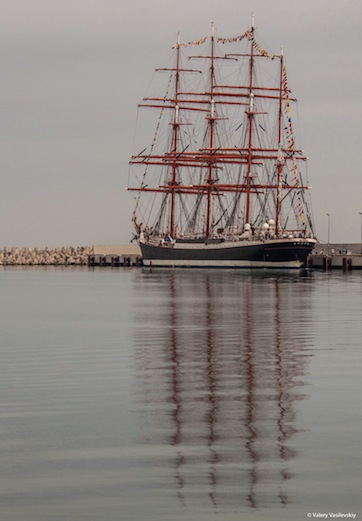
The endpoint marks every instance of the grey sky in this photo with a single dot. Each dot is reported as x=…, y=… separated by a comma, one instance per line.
x=73, y=71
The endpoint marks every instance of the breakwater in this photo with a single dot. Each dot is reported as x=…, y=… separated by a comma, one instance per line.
x=61, y=256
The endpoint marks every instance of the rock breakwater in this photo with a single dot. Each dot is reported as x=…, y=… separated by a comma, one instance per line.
x=62, y=256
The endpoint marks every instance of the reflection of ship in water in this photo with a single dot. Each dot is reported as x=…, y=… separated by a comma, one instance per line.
x=222, y=359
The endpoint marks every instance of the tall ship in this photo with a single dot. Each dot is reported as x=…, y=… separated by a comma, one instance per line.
x=222, y=182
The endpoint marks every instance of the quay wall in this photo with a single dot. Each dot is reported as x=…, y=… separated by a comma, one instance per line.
x=115, y=255
x=342, y=256
x=345, y=262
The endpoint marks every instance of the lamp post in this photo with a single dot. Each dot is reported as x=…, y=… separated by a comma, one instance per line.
x=361, y=231
x=329, y=231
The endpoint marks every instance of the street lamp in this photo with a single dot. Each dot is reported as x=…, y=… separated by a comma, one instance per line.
x=361, y=231
x=329, y=231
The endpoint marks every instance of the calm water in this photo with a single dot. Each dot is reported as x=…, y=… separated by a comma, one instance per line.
x=179, y=395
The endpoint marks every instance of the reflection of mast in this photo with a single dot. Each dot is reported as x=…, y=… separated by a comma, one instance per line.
x=282, y=438
x=176, y=438
x=281, y=417
x=250, y=399
x=175, y=366
x=212, y=392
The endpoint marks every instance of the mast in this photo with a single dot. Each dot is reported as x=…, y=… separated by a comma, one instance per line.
x=175, y=125
x=250, y=115
x=280, y=159
x=211, y=126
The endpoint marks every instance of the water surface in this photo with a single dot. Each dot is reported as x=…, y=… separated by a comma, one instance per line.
x=179, y=395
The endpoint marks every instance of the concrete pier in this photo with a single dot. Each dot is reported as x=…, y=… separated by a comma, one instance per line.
x=338, y=256
x=345, y=262
x=115, y=255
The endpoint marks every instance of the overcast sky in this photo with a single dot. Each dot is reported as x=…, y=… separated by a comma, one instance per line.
x=73, y=71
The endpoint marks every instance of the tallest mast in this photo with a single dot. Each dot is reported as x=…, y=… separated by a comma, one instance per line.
x=250, y=115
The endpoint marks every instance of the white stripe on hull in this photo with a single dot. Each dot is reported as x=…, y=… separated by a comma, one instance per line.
x=160, y=263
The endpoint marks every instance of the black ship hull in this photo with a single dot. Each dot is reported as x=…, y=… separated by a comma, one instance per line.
x=278, y=253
